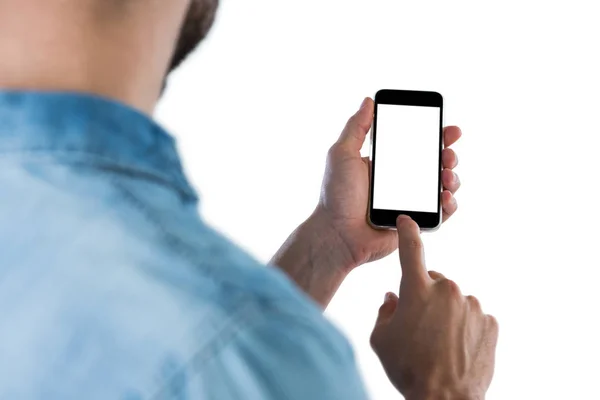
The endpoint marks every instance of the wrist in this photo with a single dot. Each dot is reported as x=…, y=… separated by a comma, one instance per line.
x=315, y=258
x=328, y=242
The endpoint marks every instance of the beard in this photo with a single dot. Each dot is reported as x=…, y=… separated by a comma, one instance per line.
x=198, y=21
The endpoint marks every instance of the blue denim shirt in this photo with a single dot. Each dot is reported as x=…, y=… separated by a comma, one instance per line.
x=112, y=286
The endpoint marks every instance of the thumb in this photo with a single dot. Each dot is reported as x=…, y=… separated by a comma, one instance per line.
x=358, y=126
x=387, y=309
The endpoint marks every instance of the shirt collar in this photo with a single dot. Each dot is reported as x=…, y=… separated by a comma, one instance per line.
x=66, y=123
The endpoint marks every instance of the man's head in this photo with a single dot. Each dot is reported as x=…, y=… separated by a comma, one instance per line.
x=196, y=25
x=121, y=49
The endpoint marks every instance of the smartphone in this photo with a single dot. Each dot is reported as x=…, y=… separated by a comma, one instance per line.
x=406, y=159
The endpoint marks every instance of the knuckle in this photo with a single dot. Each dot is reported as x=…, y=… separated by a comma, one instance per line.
x=492, y=323
x=352, y=124
x=374, y=340
x=474, y=303
x=435, y=275
x=335, y=152
x=415, y=244
x=449, y=287
x=351, y=120
x=332, y=150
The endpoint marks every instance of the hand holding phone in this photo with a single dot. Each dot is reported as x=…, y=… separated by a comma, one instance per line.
x=345, y=193
x=406, y=158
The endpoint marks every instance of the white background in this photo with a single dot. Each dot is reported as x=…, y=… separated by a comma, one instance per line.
x=257, y=107
x=407, y=159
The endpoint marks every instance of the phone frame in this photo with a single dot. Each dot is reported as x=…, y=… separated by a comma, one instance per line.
x=386, y=219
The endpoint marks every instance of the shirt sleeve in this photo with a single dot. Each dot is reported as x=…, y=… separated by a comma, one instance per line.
x=288, y=358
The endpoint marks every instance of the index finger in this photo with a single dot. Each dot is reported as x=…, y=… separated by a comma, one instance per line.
x=412, y=256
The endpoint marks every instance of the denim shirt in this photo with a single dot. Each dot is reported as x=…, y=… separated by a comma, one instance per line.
x=112, y=286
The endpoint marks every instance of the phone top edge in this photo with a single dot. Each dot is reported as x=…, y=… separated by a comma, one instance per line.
x=409, y=97
x=407, y=91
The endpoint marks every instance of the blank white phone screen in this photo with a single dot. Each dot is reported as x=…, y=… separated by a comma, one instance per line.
x=407, y=158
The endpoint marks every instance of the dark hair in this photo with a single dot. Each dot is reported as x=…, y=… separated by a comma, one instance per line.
x=195, y=27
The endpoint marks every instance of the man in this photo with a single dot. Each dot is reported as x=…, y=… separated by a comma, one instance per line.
x=112, y=287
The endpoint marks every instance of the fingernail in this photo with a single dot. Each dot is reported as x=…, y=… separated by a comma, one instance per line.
x=389, y=296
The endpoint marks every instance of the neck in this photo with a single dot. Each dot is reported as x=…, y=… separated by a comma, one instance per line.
x=115, y=49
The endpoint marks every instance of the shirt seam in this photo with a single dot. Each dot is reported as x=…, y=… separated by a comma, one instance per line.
x=205, y=353
x=104, y=162
x=251, y=317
